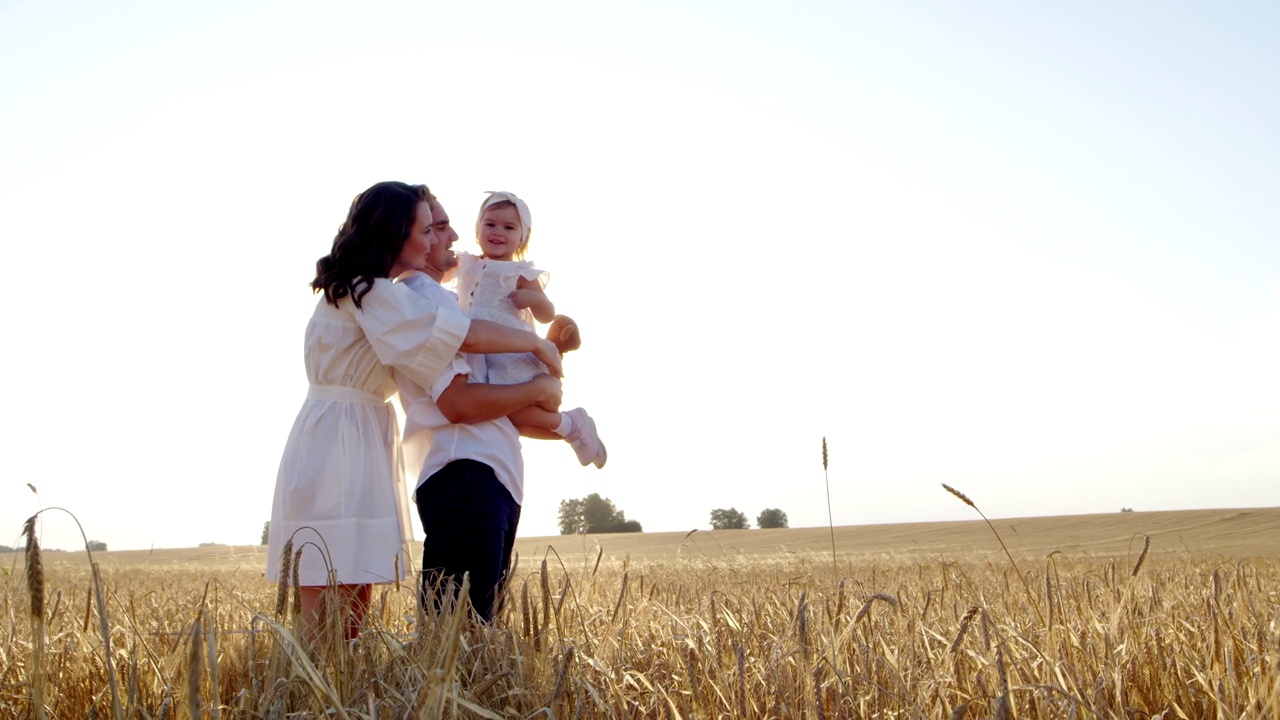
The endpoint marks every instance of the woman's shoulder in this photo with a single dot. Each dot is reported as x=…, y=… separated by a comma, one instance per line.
x=379, y=296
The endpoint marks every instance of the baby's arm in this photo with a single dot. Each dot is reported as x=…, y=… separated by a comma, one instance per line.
x=529, y=294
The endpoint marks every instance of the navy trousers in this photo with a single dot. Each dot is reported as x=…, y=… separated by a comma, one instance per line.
x=470, y=521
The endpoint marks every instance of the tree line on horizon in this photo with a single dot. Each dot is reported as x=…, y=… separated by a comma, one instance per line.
x=92, y=545
x=594, y=514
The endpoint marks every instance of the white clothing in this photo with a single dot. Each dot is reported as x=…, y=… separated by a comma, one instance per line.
x=340, y=485
x=484, y=287
x=430, y=440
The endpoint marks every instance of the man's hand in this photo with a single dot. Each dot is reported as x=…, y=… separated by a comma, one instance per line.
x=564, y=333
x=550, y=391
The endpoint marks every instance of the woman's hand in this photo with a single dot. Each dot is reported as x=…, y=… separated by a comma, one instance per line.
x=549, y=354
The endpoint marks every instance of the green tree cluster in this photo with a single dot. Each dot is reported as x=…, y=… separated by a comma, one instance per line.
x=728, y=519
x=594, y=514
x=734, y=519
x=771, y=518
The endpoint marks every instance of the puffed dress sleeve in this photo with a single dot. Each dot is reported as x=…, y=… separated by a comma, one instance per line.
x=409, y=332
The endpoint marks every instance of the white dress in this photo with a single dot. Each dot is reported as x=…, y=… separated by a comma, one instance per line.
x=483, y=289
x=340, y=492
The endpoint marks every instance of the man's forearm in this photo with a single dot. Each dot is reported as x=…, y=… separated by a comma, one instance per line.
x=463, y=402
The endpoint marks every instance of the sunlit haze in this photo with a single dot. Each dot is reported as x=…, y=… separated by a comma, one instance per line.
x=1031, y=250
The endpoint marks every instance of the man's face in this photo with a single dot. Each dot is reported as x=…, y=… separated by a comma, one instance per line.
x=441, y=259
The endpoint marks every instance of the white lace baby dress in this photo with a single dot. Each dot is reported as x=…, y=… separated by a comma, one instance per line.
x=484, y=289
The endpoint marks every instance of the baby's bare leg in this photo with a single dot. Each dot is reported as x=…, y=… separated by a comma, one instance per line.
x=535, y=422
x=574, y=426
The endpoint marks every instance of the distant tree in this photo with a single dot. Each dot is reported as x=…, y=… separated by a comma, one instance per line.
x=572, y=516
x=96, y=546
x=593, y=514
x=771, y=518
x=1126, y=509
x=730, y=519
x=6, y=548
x=266, y=531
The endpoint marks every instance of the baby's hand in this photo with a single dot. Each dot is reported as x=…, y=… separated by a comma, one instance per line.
x=524, y=298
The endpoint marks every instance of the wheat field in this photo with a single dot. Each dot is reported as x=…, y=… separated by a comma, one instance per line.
x=1128, y=615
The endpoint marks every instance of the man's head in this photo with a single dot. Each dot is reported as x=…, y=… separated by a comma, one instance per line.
x=441, y=259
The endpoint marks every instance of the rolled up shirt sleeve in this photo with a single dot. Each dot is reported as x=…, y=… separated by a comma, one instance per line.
x=456, y=368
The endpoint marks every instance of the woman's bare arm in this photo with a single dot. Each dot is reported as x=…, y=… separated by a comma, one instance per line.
x=490, y=337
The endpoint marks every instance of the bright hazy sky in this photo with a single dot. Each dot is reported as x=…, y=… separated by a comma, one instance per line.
x=1031, y=250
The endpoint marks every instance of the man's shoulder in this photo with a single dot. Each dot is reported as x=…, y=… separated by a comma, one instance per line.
x=427, y=287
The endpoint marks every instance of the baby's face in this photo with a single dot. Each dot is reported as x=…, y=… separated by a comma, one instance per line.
x=500, y=233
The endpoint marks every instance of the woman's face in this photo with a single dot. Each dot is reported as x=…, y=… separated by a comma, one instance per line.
x=421, y=237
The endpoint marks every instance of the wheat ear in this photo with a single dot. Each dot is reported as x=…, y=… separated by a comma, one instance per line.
x=35, y=587
x=1030, y=595
x=830, y=522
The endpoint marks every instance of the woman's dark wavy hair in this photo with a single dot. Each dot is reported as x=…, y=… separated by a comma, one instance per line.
x=369, y=241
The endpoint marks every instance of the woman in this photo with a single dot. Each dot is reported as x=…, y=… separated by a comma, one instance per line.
x=340, y=496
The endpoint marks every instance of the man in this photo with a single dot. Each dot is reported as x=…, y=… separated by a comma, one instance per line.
x=471, y=480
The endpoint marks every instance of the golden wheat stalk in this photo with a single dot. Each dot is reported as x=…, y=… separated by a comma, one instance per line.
x=286, y=573
x=802, y=624
x=740, y=652
x=34, y=572
x=1146, y=546
x=622, y=595
x=104, y=627
x=866, y=607
x=964, y=627
x=296, y=606
x=211, y=644
x=1123, y=600
x=561, y=682
x=1031, y=597
x=831, y=525
x=959, y=711
x=544, y=580
x=435, y=698
x=195, y=666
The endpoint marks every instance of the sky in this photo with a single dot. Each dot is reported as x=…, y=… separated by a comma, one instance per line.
x=1030, y=250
